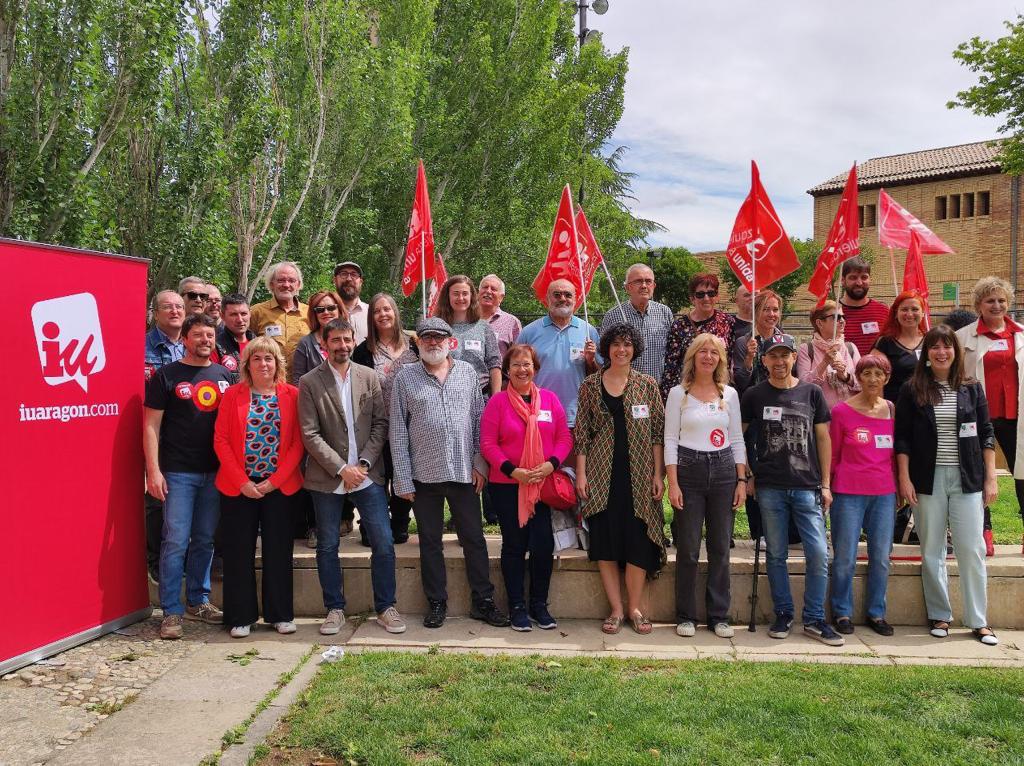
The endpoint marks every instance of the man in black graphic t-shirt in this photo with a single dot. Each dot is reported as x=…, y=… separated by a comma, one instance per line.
x=181, y=409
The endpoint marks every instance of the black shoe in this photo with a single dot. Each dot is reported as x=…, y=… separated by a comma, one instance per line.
x=435, y=617
x=780, y=628
x=401, y=538
x=844, y=625
x=488, y=611
x=880, y=626
x=539, y=614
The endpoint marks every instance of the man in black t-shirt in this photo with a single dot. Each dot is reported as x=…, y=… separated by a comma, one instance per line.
x=791, y=455
x=180, y=412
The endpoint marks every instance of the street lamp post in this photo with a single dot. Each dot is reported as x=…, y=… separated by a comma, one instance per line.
x=600, y=8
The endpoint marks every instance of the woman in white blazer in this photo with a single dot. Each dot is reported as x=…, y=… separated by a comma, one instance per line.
x=994, y=355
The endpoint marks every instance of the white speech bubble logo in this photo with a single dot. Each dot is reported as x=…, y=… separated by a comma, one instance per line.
x=69, y=339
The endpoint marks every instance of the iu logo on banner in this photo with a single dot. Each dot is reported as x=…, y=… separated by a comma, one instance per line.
x=69, y=339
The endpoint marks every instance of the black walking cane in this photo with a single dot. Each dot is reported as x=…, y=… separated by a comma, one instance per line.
x=753, y=592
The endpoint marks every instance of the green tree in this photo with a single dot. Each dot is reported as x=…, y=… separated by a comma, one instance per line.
x=807, y=250
x=1000, y=68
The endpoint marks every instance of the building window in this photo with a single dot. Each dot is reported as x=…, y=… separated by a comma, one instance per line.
x=940, y=208
x=984, y=199
x=967, y=205
x=860, y=216
x=869, y=216
x=954, y=205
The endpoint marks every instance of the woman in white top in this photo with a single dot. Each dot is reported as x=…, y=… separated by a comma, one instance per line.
x=706, y=462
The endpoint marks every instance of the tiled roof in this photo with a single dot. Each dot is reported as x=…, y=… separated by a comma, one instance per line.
x=929, y=164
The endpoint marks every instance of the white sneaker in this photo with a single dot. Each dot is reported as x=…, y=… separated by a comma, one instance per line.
x=240, y=631
x=724, y=630
x=284, y=628
x=686, y=629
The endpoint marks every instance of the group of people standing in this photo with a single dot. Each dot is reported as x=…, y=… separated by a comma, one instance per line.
x=339, y=402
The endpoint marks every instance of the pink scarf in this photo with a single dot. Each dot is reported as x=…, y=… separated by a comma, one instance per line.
x=533, y=450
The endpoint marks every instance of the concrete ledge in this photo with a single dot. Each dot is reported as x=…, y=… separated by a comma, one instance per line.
x=576, y=590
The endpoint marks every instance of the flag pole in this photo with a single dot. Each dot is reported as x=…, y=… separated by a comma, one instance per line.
x=892, y=265
x=579, y=261
x=423, y=269
x=615, y=293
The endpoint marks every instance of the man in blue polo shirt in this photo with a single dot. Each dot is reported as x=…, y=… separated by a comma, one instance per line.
x=565, y=344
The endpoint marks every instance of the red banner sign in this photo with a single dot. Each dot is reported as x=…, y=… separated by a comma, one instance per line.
x=72, y=547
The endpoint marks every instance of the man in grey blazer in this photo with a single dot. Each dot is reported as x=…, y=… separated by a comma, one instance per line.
x=344, y=427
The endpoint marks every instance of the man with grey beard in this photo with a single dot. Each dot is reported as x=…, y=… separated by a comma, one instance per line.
x=436, y=406
x=565, y=345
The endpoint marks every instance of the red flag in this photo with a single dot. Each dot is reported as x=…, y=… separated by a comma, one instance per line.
x=590, y=253
x=563, y=253
x=758, y=238
x=895, y=224
x=914, y=277
x=440, y=277
x=420, y=244
x=843, y=240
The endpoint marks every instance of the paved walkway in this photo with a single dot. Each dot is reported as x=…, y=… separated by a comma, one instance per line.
x=132, y=699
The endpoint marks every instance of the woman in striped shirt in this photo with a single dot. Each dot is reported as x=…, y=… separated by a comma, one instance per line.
x=945, y=457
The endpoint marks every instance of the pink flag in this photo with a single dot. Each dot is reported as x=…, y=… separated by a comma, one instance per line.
x=895, y=224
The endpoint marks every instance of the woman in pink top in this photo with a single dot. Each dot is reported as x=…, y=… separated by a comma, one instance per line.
x=524, y=437
x=864, y=492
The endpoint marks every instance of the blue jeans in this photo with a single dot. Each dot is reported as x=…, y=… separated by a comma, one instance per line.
x=372, y=503
x=804, y=507
x=876, y=515
x=191, y=513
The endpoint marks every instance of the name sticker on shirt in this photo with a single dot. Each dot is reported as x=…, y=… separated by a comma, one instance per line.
x=968, y=429
x=883, y=441
x=273, y=331
x=544, y=416
x=474, y=345
x=772, y=413
x=868, y=327
x=575, y=353
x=641, y=411
x=1000, y=345
x=711, y=407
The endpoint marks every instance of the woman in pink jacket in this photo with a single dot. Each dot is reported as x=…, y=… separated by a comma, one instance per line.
x=524, y=437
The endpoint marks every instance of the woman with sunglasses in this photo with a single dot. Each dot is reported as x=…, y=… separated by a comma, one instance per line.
x=310, y=353
x=703, y=317
x=828, y=359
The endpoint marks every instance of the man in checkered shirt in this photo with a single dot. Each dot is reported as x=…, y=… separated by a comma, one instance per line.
x=436, y=406
x=651, y=319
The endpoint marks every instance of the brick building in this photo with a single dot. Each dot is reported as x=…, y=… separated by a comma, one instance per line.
x=960, y=193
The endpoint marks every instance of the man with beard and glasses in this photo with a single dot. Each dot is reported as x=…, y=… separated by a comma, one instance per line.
x=348, y=281
x=436, y=406
x=864, y=316
x=180, y=412
x=345, y=427
x=565, y=345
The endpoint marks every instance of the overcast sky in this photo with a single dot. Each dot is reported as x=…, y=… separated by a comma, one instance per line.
x=804, y=87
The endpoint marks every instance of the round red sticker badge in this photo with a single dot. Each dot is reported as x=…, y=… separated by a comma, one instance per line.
x=206, y=396
x=183, y=390
x=717, y=438
x=453, y=343
x=862, y=435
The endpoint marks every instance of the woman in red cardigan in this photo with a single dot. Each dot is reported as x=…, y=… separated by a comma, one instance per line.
x=259, y=445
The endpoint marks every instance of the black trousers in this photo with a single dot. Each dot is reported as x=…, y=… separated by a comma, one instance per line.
x=399, y=507
x=154, y=529
x=534, y=538
x=242, y=518
x=429, y=510
x=1006, y=435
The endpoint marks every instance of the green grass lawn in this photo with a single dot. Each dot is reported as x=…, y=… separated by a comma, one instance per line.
x=468, y=709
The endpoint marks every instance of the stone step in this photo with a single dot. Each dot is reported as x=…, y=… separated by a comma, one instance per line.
x=576, y=590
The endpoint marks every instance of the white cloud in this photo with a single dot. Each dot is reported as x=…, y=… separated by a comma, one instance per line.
x=803, y=87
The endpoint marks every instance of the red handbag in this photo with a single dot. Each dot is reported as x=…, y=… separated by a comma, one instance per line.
x=558, y=491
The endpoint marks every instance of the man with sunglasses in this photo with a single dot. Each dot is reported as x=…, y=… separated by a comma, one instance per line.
x=283, y=317
x=195, y=292
x=650, y=318
x=565, y=345
x=348, y=281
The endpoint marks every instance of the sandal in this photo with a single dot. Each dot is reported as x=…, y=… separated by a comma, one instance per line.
x=640, y=623
x=939, y=628
x=986, y=635
x=612, y=625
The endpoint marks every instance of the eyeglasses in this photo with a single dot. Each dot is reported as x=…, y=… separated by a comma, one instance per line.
x=170, y=307
x=563, y=294
x=837, y=317
x=214, y=300
x=324, y=308
x=197, y=296
x=641, y=281
x=701, y=294
x=348, y=274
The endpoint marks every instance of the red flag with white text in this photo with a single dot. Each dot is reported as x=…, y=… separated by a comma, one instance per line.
x=419, y=247
x=759, y=248
x=843, y=240
x=590, y=253
x=563, y=253
x=895, y=224
x=914, y=277
x=440, y=277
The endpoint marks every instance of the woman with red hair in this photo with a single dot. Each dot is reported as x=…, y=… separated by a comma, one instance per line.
x=900, y=339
